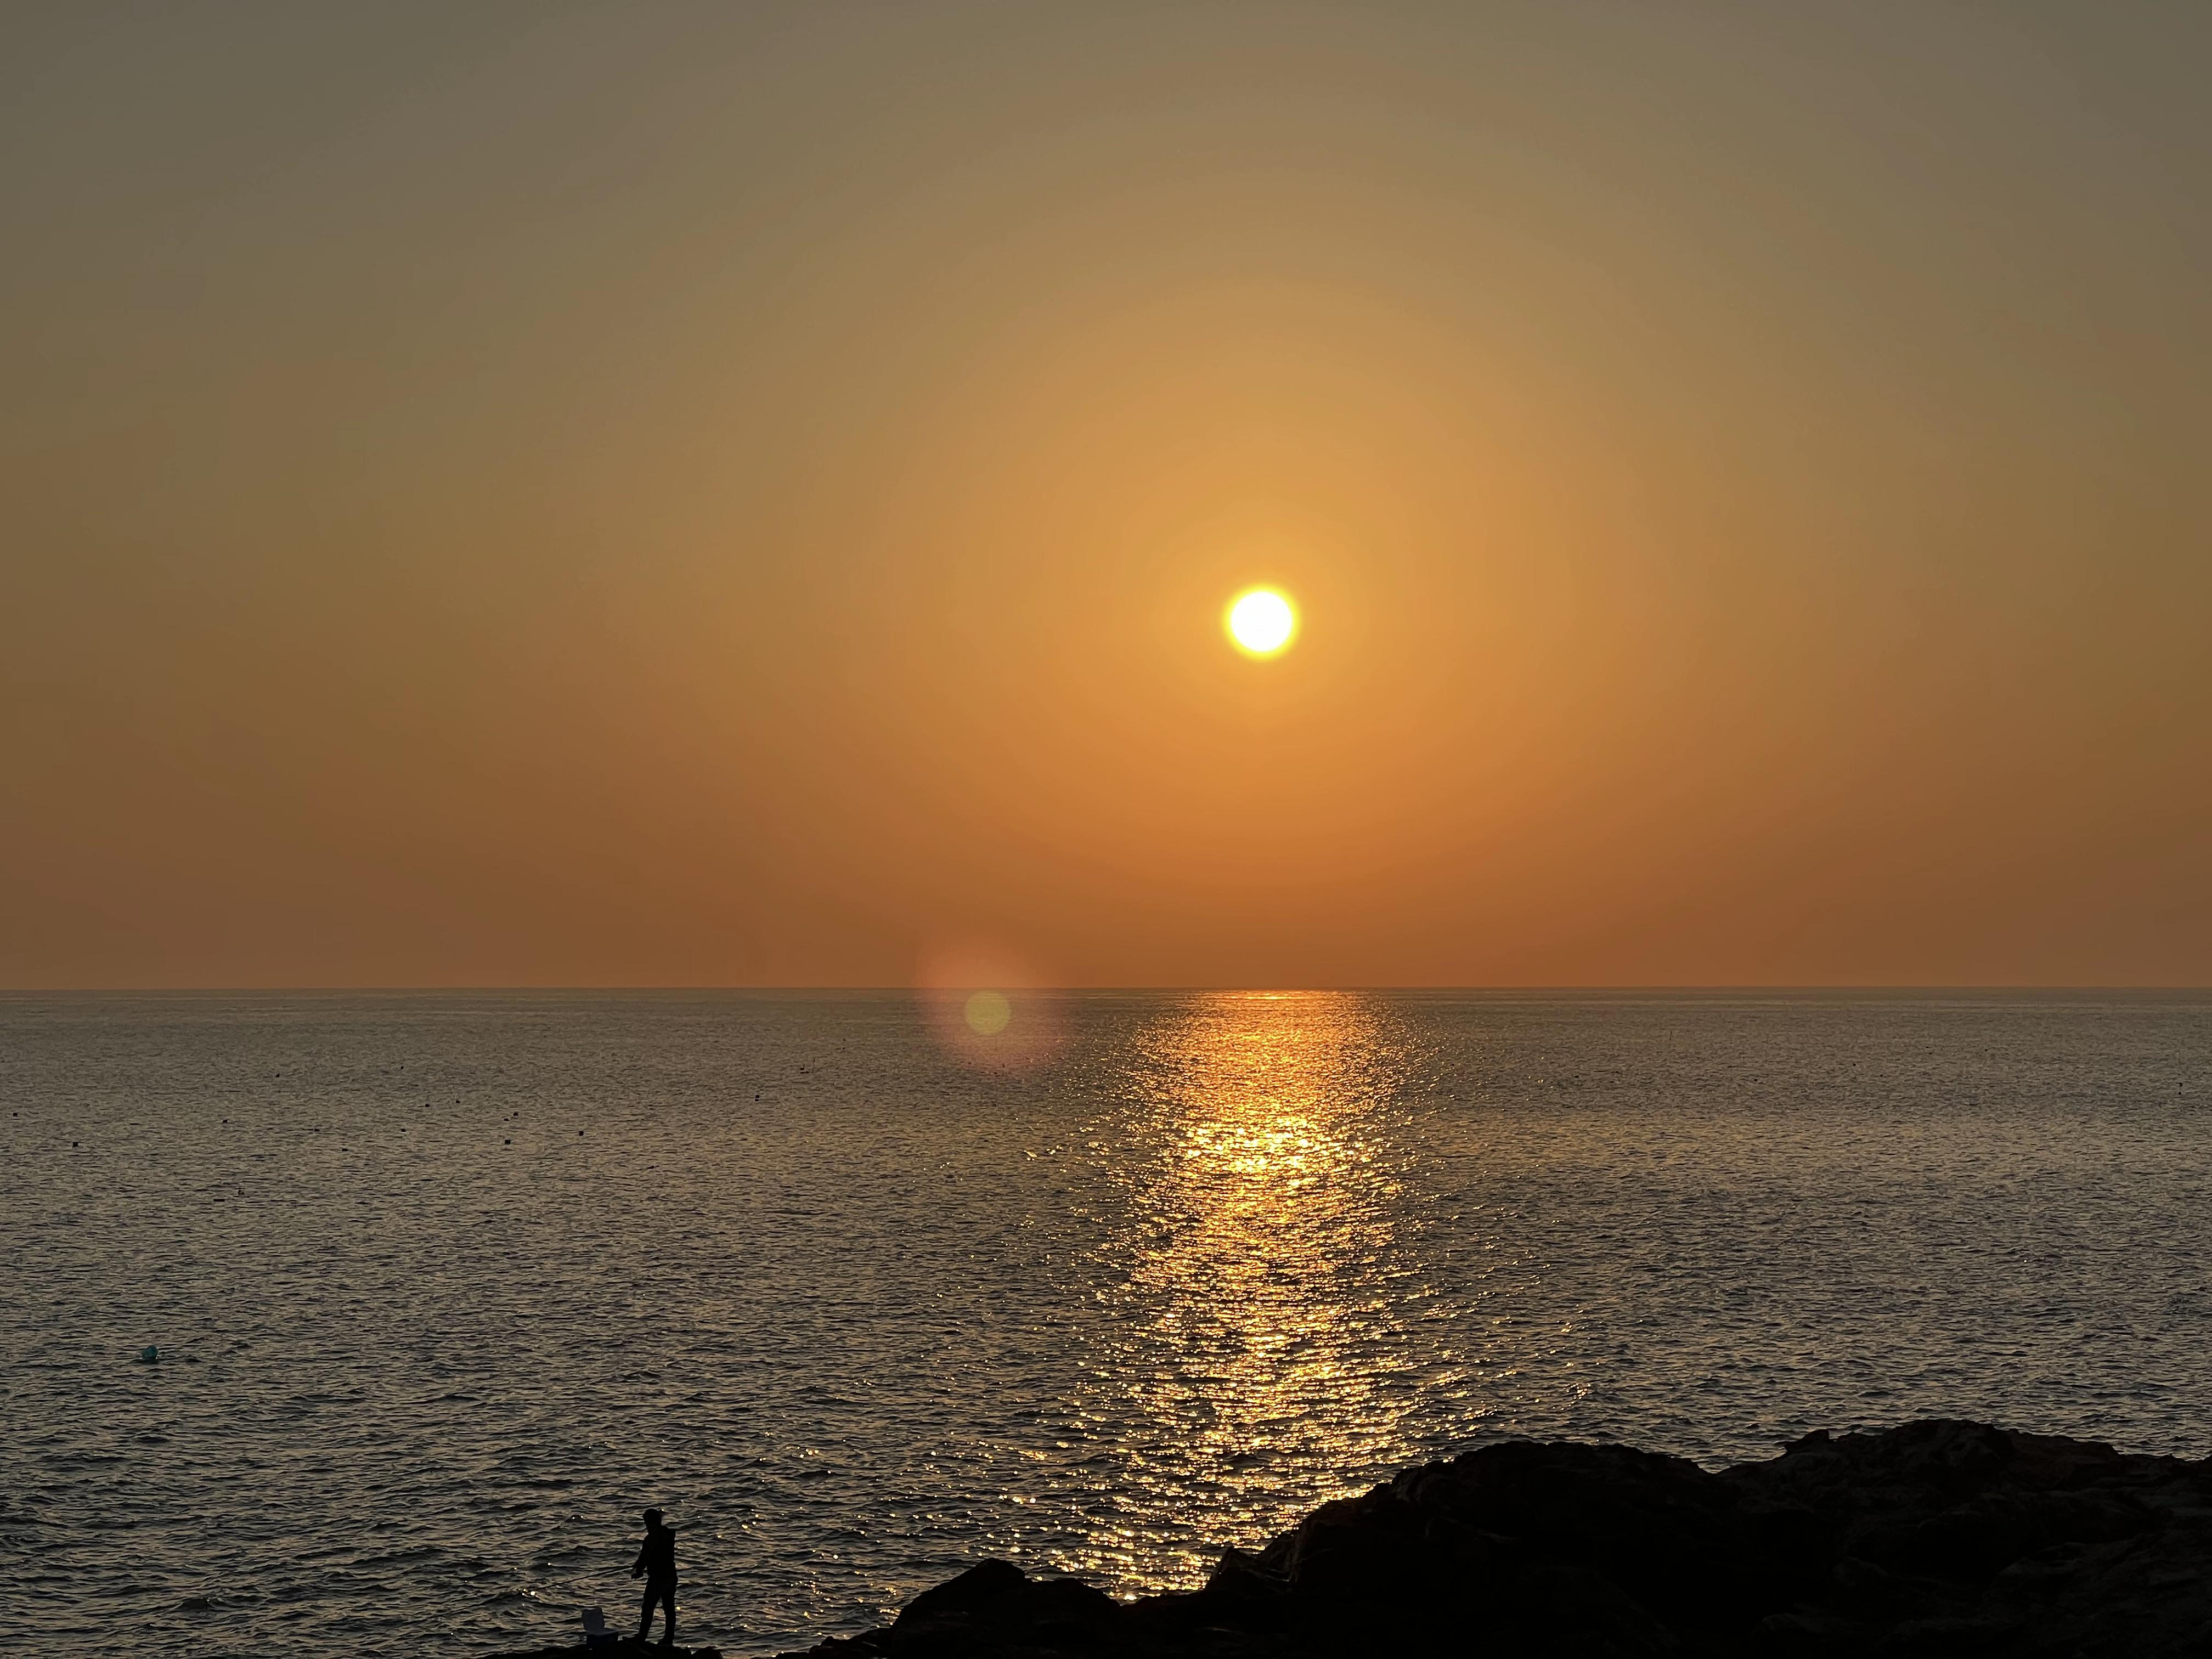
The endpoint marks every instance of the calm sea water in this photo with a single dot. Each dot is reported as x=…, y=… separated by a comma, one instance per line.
x=448, y=1287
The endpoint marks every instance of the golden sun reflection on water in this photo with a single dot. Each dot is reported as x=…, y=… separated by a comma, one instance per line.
x=1258, y=1331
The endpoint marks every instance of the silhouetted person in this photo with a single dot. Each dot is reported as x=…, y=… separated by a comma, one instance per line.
x=656, y=1564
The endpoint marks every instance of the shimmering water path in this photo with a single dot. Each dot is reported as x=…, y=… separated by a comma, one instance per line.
x=450, y=1287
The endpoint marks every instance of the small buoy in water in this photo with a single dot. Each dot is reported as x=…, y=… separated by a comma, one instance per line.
x=150, y=1355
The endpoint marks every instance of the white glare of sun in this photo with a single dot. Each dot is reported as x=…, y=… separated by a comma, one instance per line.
x=1262, y=622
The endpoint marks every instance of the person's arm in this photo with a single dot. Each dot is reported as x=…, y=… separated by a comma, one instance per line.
x=637, y=1567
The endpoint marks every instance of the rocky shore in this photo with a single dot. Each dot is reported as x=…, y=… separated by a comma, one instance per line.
x=1937, y=1538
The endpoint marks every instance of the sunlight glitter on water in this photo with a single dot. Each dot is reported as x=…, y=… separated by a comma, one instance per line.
x=1260, y=1232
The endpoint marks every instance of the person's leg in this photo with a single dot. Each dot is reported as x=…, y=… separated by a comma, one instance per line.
x=663, y=1593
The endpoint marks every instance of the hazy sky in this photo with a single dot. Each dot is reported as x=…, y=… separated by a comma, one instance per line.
x=744, y=494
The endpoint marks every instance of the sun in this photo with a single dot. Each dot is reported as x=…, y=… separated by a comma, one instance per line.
x=1262, y=622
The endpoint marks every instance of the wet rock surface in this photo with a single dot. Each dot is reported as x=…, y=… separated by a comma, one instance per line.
x=1937, y=1538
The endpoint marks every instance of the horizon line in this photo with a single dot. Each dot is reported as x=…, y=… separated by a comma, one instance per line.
x=800, y=988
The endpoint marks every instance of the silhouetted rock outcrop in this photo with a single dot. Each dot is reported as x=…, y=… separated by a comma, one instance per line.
x=627, y=1648
x=1938, y=1538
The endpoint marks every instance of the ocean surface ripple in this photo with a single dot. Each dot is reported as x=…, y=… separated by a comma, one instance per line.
x=447, y=1287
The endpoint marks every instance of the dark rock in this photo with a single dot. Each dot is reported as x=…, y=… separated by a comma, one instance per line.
x=628, y=1648
x=1934, y=1539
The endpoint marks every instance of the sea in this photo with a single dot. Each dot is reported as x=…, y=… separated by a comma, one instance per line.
x=442, y=1290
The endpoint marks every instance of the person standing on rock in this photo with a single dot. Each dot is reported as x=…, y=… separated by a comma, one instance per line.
x=656, y=1564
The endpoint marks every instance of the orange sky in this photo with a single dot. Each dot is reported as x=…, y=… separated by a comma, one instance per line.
x=745, y=495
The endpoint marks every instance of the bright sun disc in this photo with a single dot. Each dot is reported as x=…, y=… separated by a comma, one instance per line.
x=1262, y=622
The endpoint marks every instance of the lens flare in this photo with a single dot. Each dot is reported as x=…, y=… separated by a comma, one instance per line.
x=988, y=1013
x=990, y=1007
x=1262, y=622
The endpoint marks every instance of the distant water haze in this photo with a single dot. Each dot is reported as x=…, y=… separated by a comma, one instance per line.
x=448, y=1288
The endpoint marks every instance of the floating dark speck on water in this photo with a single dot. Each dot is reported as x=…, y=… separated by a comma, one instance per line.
x=150, y=1355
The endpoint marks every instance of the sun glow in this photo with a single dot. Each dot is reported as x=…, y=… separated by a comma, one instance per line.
x=1262, y=622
